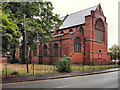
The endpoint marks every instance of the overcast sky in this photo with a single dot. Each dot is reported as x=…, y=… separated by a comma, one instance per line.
x=109, y=7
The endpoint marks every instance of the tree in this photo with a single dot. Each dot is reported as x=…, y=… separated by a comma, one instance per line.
x=17, y=10
x=115, y=49
x=10, y=35
x=39, y=28
x=38, y=17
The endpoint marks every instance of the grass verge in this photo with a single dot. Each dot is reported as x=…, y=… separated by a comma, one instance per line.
x=46, y=69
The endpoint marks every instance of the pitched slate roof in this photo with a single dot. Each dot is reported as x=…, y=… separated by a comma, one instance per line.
x=76, y=18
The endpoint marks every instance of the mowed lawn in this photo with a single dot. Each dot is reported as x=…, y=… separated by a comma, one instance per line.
x=45, y=69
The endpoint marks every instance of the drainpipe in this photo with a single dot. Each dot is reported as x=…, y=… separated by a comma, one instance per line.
x=60, y=47
x=84, y=51
x=92, y=38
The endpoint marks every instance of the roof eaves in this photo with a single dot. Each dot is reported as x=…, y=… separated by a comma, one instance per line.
x=70, y=27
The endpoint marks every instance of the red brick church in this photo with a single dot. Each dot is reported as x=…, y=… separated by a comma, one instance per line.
x=82, y=30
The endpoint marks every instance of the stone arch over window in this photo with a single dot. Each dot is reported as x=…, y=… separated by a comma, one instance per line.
x=70, y=30
x=77, y=44
x=81, y=29
x=45, y=50
x=99, y=30
x=61, y=32
x=55, y=49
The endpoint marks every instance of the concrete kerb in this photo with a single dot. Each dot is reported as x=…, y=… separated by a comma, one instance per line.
x=60, y=76
x=84, y=74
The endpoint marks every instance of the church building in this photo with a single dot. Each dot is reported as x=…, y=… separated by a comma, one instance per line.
x=83, y=36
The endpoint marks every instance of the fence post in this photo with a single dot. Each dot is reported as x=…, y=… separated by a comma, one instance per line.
x=101, y=64
x=93, y=65
x=33, y=66
x=54, y=68
x=6, y=66
x=79, y=66
x=108, y=65
x=83, y=66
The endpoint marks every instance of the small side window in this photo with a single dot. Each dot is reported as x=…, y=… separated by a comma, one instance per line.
x=81, y=30
x=61, y=32
x=70, y=30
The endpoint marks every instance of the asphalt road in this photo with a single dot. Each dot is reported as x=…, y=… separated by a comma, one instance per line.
x=106, y=80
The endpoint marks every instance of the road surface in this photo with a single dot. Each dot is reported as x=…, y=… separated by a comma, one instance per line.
x=106, y=80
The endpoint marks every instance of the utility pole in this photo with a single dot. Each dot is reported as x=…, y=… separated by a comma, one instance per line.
x=25, y=45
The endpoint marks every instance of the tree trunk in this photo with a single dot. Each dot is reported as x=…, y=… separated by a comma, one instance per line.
x=30, y=57
x=25, y=43
x=13, y=54
x=39, y=53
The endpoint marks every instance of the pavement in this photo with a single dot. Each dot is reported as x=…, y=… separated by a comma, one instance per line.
x=14, y=79
x=104, y=81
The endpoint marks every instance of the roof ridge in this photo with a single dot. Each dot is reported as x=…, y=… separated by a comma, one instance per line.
x=82, y=10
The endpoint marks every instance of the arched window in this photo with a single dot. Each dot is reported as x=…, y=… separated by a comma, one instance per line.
x=45, y=50
x=99, y=30
x=61, y=32
x=70, y=30
x=55, y=49
x=77, y=44
x=81, y=29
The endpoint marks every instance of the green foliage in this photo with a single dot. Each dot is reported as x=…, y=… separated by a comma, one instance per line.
x=12, y=61
x=115, y=49
x=64, y=64
x=39, y=28
x=40, y=20
x=10, y=33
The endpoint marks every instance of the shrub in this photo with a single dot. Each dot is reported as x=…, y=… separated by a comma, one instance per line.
x=113, y=63
x=15, y=73
x=64, y=64
x=14, y=61
x=118, y=62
